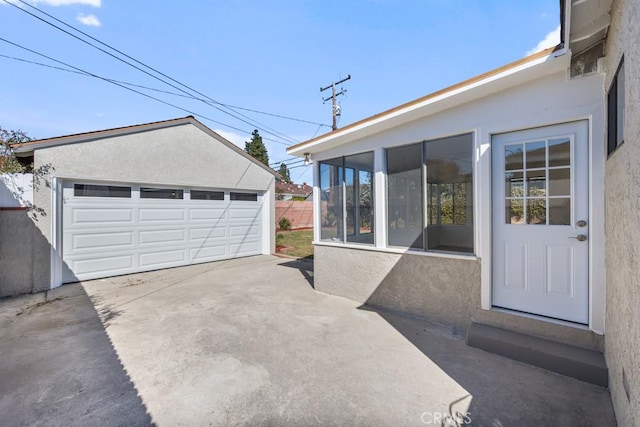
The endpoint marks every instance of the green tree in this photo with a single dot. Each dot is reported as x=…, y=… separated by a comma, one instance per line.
x=284, y=173
x=8, y=161
x=256, y=149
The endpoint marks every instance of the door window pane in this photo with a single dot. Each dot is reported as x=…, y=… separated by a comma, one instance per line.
x=514, y=211
x=514, y=184
x=559, y=152
x=89, y=190
x=449, y=175
x=331, y=214
x=536, y=211
x=536, y=154
x=207, y=195
x=404, y=196
x=161, y=193
x=560, y=211
x=513, y=158
x=536, y=183
x=560, y=182
x=359, y=197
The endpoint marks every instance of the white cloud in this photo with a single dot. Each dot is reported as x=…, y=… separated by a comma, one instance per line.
x=88, y=20
x=94, y=3
x=238, y=140
x=551, y=39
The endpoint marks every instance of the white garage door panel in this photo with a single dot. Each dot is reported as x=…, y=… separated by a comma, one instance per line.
x=161, y=236
x=251, y=230
x=93, y=216
x=244, y=248
x=109, y=236
x=207, y=214
x=163, y=258
x=206, y=233
x=161, y=214
x=116, y=240
x=208, y=253
x=82, y=267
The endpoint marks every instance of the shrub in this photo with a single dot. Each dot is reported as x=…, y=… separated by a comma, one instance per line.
x=284, y=223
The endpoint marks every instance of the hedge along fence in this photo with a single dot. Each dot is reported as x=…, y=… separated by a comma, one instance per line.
x=299, y=213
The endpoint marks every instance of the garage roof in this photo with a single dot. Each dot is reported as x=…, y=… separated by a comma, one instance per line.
x=27, y=148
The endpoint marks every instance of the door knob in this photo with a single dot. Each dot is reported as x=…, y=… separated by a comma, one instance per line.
x=579, y=237
x=581, y=223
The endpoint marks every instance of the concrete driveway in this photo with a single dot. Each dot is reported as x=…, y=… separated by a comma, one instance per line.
x=249, y=342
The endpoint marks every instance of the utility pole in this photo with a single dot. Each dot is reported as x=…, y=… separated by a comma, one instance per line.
x=335, y=108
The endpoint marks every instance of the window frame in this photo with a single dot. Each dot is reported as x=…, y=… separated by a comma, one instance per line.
x=425, y=198
x=341, y=162
x=613, y=117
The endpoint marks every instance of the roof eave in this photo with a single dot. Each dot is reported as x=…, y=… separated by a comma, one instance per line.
x=27, y=148
x=526, y=69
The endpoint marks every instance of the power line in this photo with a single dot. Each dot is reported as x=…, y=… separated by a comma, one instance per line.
x=262, y=127
x=320, y=125
x=287, y=162
x=130, y=89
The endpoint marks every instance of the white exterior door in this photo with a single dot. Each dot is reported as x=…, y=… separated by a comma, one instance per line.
x=114, y=229
x=540, y=221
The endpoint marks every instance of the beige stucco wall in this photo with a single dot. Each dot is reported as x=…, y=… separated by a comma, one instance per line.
x=622, y=224
x=443, y=290
x=182, y=155
x=18, y=238
x=439, y=289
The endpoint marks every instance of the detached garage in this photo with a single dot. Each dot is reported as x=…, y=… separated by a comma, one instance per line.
x=142, y=198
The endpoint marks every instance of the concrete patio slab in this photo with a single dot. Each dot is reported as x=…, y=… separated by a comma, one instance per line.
x=249, y=342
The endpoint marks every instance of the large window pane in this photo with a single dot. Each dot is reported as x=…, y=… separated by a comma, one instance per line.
x=331, y=208
x=359, y=197
x=404, y=196
x=450, y=202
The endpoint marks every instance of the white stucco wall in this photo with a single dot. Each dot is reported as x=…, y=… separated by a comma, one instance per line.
x=181, y=155
x=16, y=190
x=548, y=100
x=623, y=221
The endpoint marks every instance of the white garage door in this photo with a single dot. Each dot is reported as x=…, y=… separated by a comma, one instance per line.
x=113, y=229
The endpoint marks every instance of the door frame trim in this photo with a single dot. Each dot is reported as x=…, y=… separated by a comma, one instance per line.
x=596, y=163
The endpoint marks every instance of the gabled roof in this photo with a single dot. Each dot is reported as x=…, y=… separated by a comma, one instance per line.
x=294, y=189
x=27, y=148
x=531, y=67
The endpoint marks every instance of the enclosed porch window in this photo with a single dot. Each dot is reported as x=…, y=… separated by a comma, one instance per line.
x=347, y=193
x=430, y=195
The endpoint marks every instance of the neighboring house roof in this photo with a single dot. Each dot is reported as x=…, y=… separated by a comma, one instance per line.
x=545, y=62
x=302, y=190
x=27, y=148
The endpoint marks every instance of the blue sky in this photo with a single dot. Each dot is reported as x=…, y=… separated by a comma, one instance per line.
x=272, y=56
